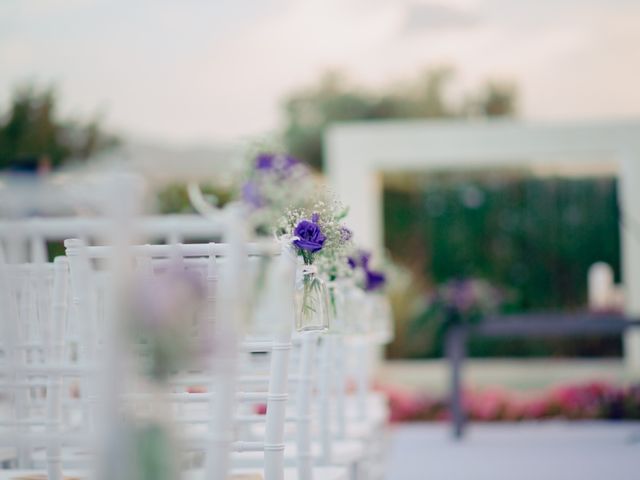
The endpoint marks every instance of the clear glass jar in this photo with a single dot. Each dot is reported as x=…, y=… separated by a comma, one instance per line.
x=356, y=322
x=312, y=302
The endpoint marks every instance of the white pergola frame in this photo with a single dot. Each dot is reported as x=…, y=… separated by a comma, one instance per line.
x=357, y=153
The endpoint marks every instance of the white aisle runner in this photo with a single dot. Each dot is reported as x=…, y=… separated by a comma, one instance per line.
x=517, y=451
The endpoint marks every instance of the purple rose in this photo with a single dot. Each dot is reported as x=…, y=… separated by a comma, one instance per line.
x=374, y=280
x=310, y=236
x=276, y=162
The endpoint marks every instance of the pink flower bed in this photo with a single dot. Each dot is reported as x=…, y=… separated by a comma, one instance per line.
x=593, y=400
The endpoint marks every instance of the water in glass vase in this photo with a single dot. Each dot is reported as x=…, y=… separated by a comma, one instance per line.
x=312, y=302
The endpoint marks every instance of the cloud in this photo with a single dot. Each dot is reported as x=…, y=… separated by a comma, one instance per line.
x=433, y=16
x=188, y=71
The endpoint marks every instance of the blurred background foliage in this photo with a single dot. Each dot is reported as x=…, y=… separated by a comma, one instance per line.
x=536, y=236
x=175, y=199
x=32, y=132
x=310, y=110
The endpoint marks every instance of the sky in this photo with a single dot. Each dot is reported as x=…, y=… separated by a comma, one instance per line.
x=206, y=71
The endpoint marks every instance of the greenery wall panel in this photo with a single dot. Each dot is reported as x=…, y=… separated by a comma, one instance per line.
x=536, y=236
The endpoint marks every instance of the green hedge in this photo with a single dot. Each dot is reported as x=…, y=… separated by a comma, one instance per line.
x=536, y=236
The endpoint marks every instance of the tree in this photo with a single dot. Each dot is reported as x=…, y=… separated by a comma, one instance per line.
x=32, y=133
x=309, y=111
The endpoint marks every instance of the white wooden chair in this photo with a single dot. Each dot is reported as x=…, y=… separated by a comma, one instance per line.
x=271, y=447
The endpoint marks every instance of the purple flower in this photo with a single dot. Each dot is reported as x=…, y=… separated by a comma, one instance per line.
x=361, y=259
x=160, y=299
x=463, y=297
x=251, y=194
x=310, y=236
x=345, y=234
x=276, y=162
x=364, y=259
x=374, y=280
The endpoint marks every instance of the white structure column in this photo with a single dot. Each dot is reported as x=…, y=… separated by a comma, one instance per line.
x=359, y=185
x=629, y=200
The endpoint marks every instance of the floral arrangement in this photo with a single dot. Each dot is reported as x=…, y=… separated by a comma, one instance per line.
x=161, y=308
x=587, y=401
x=321, y=240
x=463, y=301
x=284, y=199
x=317, y=231
x=367, y=278
x=275, y=183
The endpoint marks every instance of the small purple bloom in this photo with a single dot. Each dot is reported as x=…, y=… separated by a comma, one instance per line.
x=276, y=162
x=463, y=294
x=158, y=299
x=345, y=235
x=310, y=236
x=364, y=259
x=251, y=194
x=375, y=280
x=360, y=260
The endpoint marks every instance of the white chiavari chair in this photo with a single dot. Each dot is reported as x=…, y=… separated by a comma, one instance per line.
x=271, y=447
x=310, y=421
x=366, y=410
x=355, y=412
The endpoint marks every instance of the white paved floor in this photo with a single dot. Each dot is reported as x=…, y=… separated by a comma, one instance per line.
x=522, y=451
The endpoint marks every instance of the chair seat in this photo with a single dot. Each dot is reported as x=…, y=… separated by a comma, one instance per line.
x=75, y=458
x=7, y=454
x=290, y=473
x=344, y=452
x=362, y=430
x=39, y=475
x=376, y=405
x=320, y=473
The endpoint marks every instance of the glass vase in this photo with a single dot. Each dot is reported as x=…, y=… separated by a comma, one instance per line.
x=312, y=302
x=356, y=312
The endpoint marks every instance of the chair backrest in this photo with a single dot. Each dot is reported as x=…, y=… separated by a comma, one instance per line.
x=27, y=240
x=34, y=369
